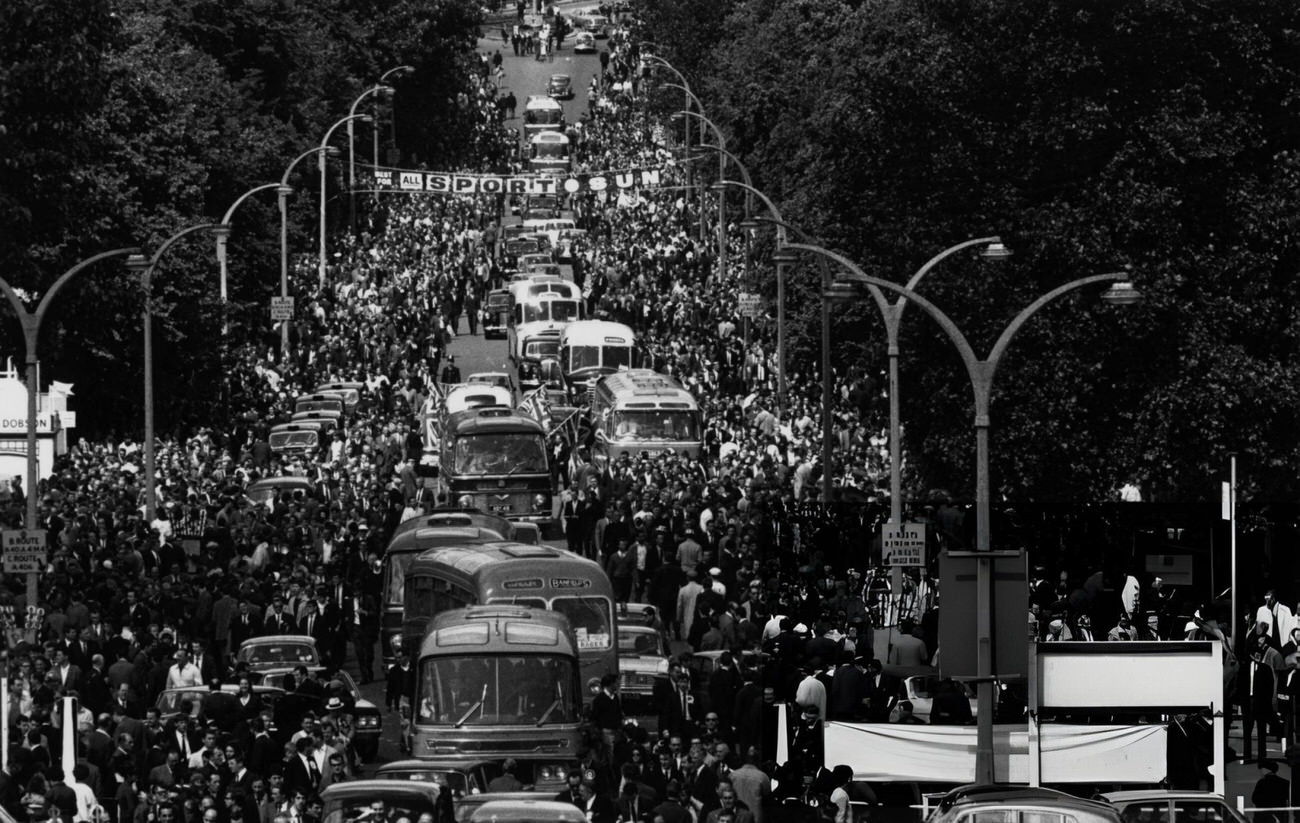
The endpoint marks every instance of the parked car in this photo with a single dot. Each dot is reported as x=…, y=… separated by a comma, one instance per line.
x=584, y=43
x=532, y=810
x=278, y=653
x=496, y=311
x=560, y=87
x=260, y=491
x=642, y=657
x=380, y=801
x=463, y=777
x=1172, y=806
x=976, y=803
x=206, y=704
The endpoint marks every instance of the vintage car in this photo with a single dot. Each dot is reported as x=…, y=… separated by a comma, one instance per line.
x=463, y=777
x=496, y=313
x=560, y=87
x=380, y=801
x=642, y=659
x=278, y=654
x=584, y=43
x=1172, y=806
x=264, y=490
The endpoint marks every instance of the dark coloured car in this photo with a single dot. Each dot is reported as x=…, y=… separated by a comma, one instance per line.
x=560, y=87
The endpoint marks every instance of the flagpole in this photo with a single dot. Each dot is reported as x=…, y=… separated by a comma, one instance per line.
x=1231, y=506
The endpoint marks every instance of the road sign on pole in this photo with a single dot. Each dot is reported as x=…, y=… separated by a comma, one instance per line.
x=24, y=551
x=751, y=305
x=281, y=308
x=902, y=544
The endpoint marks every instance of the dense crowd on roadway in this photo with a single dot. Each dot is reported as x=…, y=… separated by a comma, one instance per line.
x=727, y=548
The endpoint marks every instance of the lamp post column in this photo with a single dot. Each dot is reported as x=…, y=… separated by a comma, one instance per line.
x=827, y=418
x=320, y=166
x=283, y=198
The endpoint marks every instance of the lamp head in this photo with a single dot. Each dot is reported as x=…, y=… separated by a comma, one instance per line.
x=284, y=190
x=222, y=232
x=996, y=251
x=137, y=263
x=841, y=291
x=719, y=187
x=332, y=151
x=750, y=224
x=785, y=256
x=365, y=118
x=1123, y=293
x=385, y=92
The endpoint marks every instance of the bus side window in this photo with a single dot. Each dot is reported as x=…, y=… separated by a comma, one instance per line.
x=441, y=597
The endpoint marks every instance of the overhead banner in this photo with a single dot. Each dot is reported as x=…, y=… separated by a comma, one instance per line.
x=946, y=754
x=437, y=182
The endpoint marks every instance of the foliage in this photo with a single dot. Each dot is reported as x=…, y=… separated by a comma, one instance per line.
x=124, y=122
x=1157, y=135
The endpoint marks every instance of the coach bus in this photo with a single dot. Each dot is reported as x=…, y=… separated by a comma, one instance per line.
x=548, y=153
x=591, y=349
x=540, y=308
x=542, y=113
x=513, y=573
x=414, y=536
x=496, y=682
x=495, y=459
x=642, y=411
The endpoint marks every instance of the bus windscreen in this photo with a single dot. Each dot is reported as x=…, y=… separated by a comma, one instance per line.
x=656, y=424
x=490, y=690
x=513, y=453
x=590, y=619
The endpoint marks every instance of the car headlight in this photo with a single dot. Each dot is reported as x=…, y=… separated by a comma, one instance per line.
x=465, y=501
x=540, y=501
x=368, y=721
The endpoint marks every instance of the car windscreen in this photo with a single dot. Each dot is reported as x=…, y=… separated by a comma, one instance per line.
x=291, y=654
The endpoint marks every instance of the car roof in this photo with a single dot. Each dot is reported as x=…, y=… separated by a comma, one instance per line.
x=414, y=765
x=1129, y=795
x=271, y=482
x=998, y=794
x=543, y=805
x=271, y=639
x=378, y=788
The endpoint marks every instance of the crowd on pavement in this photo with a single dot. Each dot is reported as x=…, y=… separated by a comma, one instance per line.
x=735, y=550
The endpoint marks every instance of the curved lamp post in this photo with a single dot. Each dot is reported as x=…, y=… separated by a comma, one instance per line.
x=145, y=267
x=31, y=323
x=380, y=91
x=395, y=73
x=320, y=156
x=722, y=173
x=780, y=263
x=981, y=373
x=283, y=191
x=222, y=232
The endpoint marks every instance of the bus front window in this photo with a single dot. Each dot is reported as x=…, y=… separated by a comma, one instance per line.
x=617, y=357
x=496, y=689
x=513, y=453
x=590, y=618
x=563, y=311
x=659, y=424
x=583, y=357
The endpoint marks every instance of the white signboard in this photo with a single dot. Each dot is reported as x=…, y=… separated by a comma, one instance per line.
x=751, y=305
x=281, y=308
x=902, y=544
x=24, y=551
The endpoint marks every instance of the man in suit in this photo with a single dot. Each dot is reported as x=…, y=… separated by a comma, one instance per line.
x=210, y=668
x=631, y=808
x=94, y=686
x=240, y=776
x=264, y=754
x=597, y=807
x=316, y=626
x=572, y=793
x=301, y=772
x=245, y=624
x=849, y=690
x=279, y=621
x=224, y=612
x=69, y=674
x=678, y=711
x=167, y=774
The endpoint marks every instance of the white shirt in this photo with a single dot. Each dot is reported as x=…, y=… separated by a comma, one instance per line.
x=179, y=677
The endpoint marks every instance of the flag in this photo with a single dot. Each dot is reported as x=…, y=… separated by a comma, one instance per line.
x=60, y=388
x=537, y=405
x=568, y=428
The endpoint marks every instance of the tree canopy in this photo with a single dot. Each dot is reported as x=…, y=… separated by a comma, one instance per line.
x=124, y=122
x=1157, y=137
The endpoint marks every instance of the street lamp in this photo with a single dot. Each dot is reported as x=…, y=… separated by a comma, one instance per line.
x=31, y=323
x=223, y=234
x=781, y=261
x=722, y=173
x=396, y=72
x=380, y=91
x=981, y=372
x=283, y=191
x=320, y=156
x=144, y=266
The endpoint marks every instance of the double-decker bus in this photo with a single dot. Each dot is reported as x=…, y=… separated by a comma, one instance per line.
x=513, y=573
x=640, y=410
x=497, y=682
x=591, y=349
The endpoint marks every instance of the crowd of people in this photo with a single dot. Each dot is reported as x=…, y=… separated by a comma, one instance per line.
x=735, y=550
